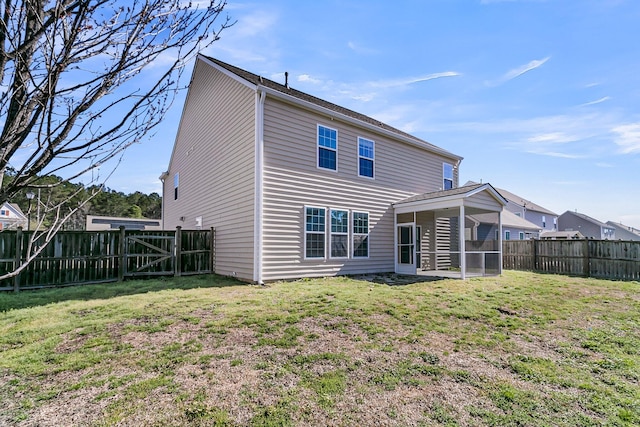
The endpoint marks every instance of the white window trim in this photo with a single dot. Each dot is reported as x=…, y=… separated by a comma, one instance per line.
x=507, y=233
x=304, y=225
x=373, y=159
x=521, y=235
x=354, y=234
x=453, y=182
x=331, y=234
x=318, y=146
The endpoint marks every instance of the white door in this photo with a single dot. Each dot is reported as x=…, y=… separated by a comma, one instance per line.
x=406, y=249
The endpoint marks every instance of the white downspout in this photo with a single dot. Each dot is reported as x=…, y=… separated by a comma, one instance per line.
x=259, y=187
x=162, y=179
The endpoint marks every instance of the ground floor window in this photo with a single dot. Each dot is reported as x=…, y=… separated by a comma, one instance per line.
x=339, y=233
x=315, y=225
x=360, y=234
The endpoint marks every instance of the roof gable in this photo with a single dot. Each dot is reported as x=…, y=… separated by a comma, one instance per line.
x=459, y=192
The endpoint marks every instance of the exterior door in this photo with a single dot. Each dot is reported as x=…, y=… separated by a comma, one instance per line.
x=406, y=249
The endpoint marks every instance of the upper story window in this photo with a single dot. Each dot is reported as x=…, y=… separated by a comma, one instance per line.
x=447, y=176
x=176, y=180
x=544, y=221
x=327, y=148
x=366, y=157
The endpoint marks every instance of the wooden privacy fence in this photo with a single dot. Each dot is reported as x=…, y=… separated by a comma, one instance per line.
x=81, y=257
x=603, y=259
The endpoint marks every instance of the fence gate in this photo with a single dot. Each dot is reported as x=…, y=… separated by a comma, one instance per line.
x=146, y=255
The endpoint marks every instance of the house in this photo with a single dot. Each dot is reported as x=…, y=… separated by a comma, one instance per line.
x=543, y=218
x=561, y=235
x=12, y=217
x=514, y=227
x=625, y=232
x=96, y=223
x=296, y=186
x=590, y=228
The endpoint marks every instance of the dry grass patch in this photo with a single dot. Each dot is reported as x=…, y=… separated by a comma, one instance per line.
x=521, y=350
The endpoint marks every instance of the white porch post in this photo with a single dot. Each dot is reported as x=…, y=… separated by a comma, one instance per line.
x=395, y=241
x=500, y=242
x=463, y=252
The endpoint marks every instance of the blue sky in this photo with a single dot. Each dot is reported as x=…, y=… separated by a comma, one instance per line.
x=540, y=97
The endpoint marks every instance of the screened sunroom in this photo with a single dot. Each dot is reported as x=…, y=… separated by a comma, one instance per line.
x=439, y=234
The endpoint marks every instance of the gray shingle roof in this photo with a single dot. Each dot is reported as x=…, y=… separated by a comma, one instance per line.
x=520, y=201
x=588, y=218
x=261, y=81
x=443, y=193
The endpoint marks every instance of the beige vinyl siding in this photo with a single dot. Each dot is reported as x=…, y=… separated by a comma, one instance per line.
x=484, y=200
x=214, y=155
x=293, y=181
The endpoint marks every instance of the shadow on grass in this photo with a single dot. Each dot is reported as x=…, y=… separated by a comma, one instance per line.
x=34, y=298
x=395, y=279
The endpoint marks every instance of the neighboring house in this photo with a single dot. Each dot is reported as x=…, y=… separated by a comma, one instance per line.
x=590, y=228
x=296, y=186
x=625, y=232
x=12, y=217
x=561, y=235
x=542, y=217
x=514, y=227
x=96, y=223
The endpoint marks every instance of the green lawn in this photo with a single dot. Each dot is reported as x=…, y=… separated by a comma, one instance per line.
x=518, y=350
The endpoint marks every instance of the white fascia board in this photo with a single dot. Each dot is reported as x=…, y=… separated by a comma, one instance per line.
x=322, y=110
x=428, y=205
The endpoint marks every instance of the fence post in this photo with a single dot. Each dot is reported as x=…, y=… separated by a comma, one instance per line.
x=122, y=259
x=212, y=252
x=17, y=260
x=587, y=263
x=535, y=254
x=178, y=252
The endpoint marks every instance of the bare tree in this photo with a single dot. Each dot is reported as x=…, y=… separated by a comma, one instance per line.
x=81, y=80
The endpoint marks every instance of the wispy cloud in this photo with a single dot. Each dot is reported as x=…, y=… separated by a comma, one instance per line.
x=366, y=91
x=411, y=80
x=517, y=72
x=553, y=138
x=239, y=42
x=628, y=137
x=306, y=78
x=556, y=154
x=597, y=101
x=357, y=48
